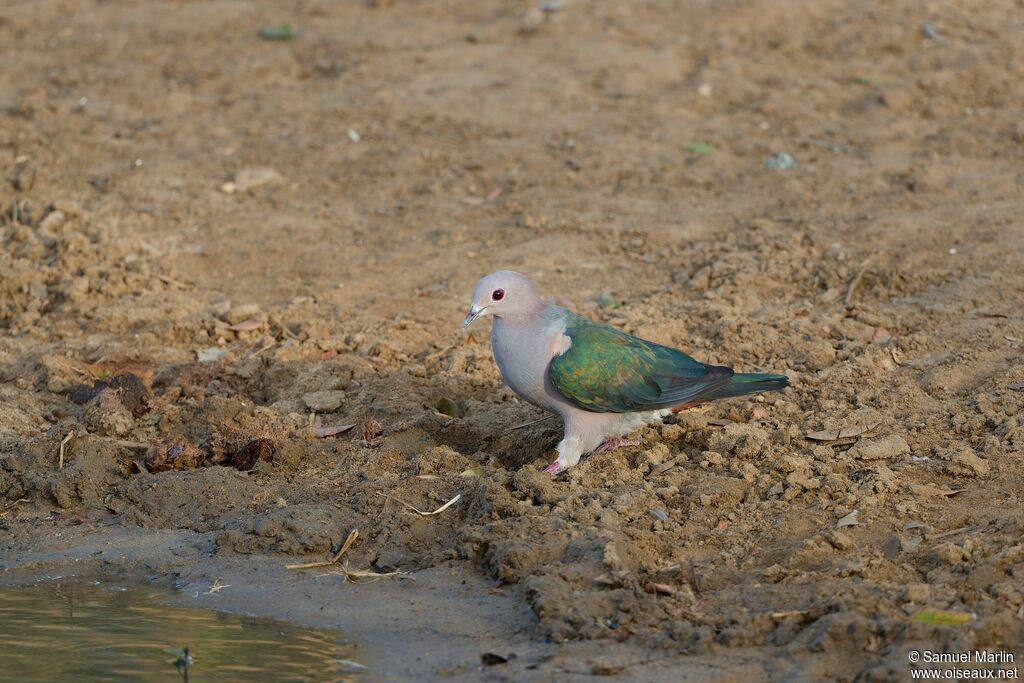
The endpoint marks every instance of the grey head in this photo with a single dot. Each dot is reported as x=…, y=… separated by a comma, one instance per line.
x=503, y=294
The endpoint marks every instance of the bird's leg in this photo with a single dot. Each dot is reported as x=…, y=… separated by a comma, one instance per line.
x=569, y=451
x=616, y=442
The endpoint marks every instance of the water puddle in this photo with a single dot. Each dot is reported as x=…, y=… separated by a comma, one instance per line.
x=82, y=631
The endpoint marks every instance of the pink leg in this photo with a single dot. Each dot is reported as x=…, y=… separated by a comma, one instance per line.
x=615, y=442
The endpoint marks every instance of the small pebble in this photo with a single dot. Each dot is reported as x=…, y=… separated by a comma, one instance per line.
x=780, y=162
x=531, y=21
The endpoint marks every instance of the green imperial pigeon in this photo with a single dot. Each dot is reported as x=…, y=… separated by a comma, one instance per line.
x=603, y=382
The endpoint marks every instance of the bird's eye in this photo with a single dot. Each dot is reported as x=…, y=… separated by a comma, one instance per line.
x=498, y=294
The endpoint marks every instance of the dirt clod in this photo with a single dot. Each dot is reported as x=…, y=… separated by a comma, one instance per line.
x=257, y=450
x=174, y=453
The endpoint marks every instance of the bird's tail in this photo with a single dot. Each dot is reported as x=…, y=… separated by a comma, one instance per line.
x=740, y=384
x=743, y=383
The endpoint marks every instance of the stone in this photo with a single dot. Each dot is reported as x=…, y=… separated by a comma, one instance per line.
x=882, y=448
x=323, y=401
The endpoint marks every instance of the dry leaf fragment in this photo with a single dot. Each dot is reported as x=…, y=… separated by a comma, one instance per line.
x=210, y=354
x=247, y=325
x=942, y=617
x=324, y=432
x=447, y=406
x=841, y=433
x=848, y=520
x=492, y=659
x=930, y=490
x=251, y=178
x=663, y=468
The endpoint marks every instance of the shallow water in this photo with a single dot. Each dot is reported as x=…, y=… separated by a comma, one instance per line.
x=81, y=631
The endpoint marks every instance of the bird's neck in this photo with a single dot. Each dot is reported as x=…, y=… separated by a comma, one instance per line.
x=530, y=312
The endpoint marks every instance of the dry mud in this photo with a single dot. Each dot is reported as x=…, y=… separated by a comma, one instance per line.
x=209, y=238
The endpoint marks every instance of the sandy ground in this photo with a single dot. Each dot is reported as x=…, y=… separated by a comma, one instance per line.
x=208, y=237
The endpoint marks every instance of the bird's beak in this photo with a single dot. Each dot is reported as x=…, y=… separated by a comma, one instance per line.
x=474, y=313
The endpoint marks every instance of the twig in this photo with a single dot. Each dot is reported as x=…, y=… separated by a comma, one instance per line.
x=528, y=424
x=421, y=512
x=353, y=535
x=63, y=445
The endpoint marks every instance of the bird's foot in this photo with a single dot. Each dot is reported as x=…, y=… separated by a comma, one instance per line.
x=555, y=468
x=614, y=443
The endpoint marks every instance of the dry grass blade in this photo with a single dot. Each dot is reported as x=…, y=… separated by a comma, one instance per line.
x=63, y=445
x=529, y=424
x=954, y=532
x=354, y=575
x=852, y=289
x=267, y=347
x=785, y=614
x=131, y=445
x=691, y=577
x=353, y=535
x=9, y=507
x=421, y=512
x=171, y=281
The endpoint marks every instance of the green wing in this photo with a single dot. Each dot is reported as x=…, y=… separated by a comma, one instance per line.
x=606, y=370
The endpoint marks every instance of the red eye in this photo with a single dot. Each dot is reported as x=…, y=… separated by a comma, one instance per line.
x=498, y=294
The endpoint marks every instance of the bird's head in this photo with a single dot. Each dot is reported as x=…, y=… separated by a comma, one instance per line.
x=503, y=294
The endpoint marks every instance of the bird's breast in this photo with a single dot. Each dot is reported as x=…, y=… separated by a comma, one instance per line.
x=523, y=354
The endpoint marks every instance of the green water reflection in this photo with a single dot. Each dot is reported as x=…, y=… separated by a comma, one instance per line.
x=87, y=632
